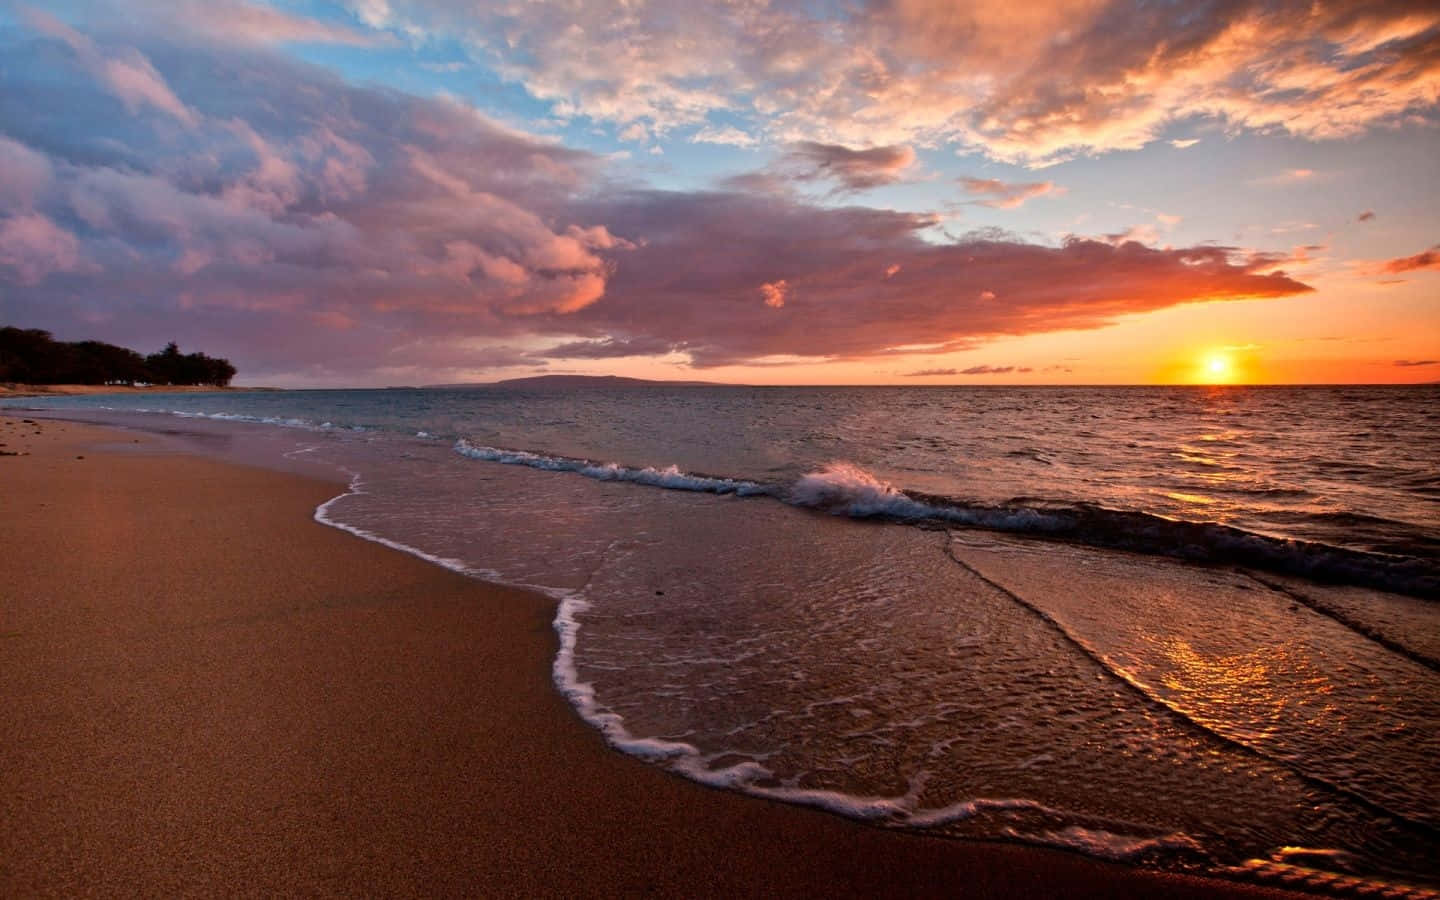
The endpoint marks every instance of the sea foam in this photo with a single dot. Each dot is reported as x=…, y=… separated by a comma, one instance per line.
x=670, y=477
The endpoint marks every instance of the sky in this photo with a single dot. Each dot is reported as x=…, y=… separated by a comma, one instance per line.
x=401, y=192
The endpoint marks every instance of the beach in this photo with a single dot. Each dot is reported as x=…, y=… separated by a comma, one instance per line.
x=9, y=390
x=210, y=692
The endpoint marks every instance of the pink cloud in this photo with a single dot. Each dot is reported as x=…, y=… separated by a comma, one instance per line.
x=697, y=256
x=717, y=134
x=33, y=247
x=1003, y=195
x=126, y=72
x=23, y=175
x=1039, y=84
x=237, y=20
x=307, y=227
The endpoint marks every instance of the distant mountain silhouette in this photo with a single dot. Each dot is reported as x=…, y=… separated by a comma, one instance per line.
x=577, y=381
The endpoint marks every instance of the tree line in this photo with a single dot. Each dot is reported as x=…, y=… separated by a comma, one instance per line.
x=33, y=356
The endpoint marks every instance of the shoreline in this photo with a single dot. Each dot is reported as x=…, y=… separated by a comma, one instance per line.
x=10, y=390
x=211, y=689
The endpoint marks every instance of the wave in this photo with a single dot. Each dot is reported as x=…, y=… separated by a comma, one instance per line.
x=281, y=421
x=669, y=477
x=849, y=490
x=842, y=488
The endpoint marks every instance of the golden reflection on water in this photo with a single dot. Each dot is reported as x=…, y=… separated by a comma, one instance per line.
x=1251, y=695
x=1194, y=499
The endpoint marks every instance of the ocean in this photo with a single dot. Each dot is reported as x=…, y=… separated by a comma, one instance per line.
x=1183, y=627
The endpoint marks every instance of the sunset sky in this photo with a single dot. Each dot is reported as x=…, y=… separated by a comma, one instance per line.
x=915, y=192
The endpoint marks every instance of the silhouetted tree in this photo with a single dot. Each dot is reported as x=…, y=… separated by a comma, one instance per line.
x=165, y=367
x=33, y=356
x=100, y=363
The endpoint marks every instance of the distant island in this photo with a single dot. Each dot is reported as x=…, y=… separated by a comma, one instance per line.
x=577, y=381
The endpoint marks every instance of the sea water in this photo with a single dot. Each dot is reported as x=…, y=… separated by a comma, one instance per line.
x=1191, y=628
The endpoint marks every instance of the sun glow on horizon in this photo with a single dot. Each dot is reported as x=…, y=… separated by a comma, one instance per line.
x=1217, y=367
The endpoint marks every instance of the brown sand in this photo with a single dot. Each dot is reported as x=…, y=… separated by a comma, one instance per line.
x=206, y=692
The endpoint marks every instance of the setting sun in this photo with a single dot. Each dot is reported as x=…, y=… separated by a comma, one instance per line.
x=1217, y=368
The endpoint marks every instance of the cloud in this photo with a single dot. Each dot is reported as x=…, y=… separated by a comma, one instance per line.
x=1142, y=234
x=237, y=20
x=1289, y=176
x=1066, y=78
x=973, y=370
x=608, y=348
x=1366, y=216
x=126, y=72
x=1417, y=362
x=723, y=134
x=775, y=293
x=1004, y=195
x=293, y=195
x=24, y=174
x=845, y=169
x=1427, y=259
x=850, y=168
x=636, y=132
x=1183, y=143
x=33, y=247
x=317, y=230
x=691, y=280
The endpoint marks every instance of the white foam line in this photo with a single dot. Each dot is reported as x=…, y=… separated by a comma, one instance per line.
x=570, y=604
x=322, y=515
x=685, y=759
x=681, y=757
x=669, y=477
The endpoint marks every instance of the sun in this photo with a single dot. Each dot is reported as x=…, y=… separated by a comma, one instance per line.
x=1216, y=368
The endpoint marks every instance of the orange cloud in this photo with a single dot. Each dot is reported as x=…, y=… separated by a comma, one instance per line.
x=348, y=241
x=1427, y=259
x=775, y=293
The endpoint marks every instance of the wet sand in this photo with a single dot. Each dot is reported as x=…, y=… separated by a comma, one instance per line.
x=207, y=692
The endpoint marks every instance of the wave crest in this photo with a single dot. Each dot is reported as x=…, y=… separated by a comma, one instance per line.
x=670, y=477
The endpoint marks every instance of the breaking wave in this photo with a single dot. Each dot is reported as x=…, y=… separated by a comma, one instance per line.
x=669, y=477
x=842, y=488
